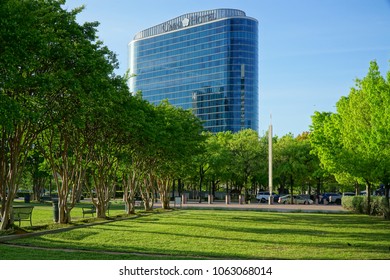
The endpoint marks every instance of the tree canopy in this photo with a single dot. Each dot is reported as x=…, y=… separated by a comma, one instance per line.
x=355, y=140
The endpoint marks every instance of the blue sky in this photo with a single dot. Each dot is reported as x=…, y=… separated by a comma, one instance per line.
x=311, y=52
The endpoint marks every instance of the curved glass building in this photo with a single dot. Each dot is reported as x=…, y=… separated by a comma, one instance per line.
x=204, y=61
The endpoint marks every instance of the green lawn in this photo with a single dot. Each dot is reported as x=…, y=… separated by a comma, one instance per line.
x=220, y=234
x=42, y=217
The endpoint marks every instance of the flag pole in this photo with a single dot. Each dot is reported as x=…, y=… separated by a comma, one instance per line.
x=270, y=200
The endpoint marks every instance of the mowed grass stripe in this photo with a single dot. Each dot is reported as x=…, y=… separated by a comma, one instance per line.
x=234, y=235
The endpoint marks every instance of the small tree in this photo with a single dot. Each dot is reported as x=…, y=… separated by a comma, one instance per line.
x=291, y=160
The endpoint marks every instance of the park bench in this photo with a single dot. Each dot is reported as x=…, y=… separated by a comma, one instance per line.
x=92, y=210
x=89, y=210
x=23, y=214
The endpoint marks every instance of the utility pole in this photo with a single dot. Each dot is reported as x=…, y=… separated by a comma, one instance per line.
x=270, y=200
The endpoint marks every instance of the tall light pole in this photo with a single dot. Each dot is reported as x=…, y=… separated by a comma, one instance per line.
x=270, y=200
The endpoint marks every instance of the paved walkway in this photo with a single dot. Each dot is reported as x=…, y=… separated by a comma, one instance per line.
x=264, y=207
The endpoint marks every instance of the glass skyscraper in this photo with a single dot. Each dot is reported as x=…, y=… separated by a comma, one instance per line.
x=204, y=61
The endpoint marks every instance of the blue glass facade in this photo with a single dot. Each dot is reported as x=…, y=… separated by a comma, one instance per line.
x=205, y=61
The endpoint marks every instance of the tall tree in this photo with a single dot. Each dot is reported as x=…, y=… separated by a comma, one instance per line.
x=355, y=140
x=179, y=138
x=106, y=127
x=28, y=51
x=247, y=155
x=137, y=121
x=53, y=72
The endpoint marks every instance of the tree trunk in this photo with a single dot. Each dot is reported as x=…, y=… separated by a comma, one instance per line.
x=357, y=192
x=179, y=187
x=318, y=191
x=104, y=176
x=291, y=189
x=214, y=184
x=163, y=188
x=63, y=211
x=11, y=168
x=129, y=190
x=101, y=209
x=386, y=212
x=201, y=175
x=69, y=170
x=147, y=192
x=6, y=214
x=368, y=193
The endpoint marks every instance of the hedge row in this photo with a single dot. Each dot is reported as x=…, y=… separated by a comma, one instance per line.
x=358, y=204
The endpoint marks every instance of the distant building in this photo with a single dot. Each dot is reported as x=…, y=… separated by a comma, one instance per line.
x=205, y=61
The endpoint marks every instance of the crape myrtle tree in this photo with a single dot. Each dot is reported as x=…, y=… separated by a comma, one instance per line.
x=179, y=138
x=159, y=144
x=39, y=175
x=32, y=34
x=138, y=118
x=106, y=126
x=138, y=167
x=76, y=139
x=60, y=86
x=355, y=139
x=137, y=159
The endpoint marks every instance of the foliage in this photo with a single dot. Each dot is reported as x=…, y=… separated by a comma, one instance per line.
x=293, y=162
x=28, y=51
x=246, y=154
x=355, y=140
x=179, y=139
x=359, y=204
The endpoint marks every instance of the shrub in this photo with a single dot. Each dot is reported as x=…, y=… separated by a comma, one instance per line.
x=358, y=204
x=346, y=202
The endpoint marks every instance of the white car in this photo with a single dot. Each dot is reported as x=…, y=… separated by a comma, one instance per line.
x=348, y=194
x=297, y=199
x=264, y=196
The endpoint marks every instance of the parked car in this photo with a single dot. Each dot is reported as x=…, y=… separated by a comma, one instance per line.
x=331, y=198
x=264, y=196
x=348, y=194
x=335, y=198
x=297, y=199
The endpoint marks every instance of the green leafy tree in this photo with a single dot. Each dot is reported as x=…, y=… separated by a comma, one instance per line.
x=179, y=139
x=247, y=155
x=218, y=157
x=137, y=122
x=53, y=71
x=355, y=140
x=39, y=175
x=28, y=50
x=292, y=157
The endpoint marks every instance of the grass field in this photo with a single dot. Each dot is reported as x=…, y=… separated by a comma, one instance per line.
x=220, y=234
